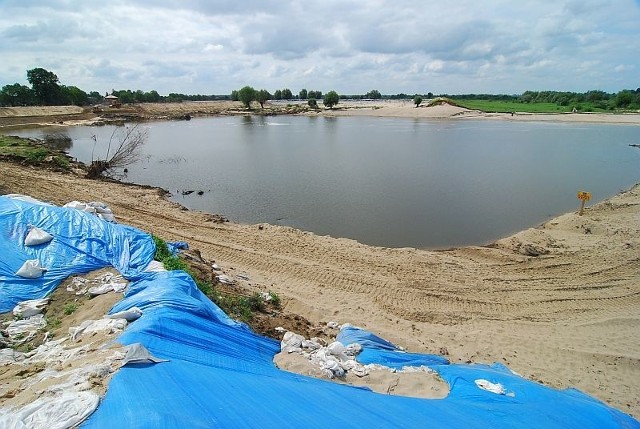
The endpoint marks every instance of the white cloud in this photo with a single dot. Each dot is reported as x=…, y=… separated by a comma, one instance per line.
x=214, y=46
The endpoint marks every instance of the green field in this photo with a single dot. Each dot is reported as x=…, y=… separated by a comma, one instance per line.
x=498, y=106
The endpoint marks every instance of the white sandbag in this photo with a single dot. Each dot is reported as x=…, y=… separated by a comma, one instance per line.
x=37, y=236
x=60, y=412
x=155, y=267
x=496, y=388
x=30, y=308
x=107, y=217
x=291, y=342
x=332, y=368
x=31, y=269
x=25, y=328
x=129, y=315
x=106, y=288
x=75, y=205
x=222, y=278
x=110, y=326
x=336, y=348
x=100, y=290
x=352, y=349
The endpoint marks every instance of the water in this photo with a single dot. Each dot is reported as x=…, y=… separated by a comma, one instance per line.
x=389, y=182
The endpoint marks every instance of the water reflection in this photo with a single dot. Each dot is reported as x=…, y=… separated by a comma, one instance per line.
x=385, y=181
x=58, y=141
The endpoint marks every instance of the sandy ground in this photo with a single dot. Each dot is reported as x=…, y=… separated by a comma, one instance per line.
x=569, y=317
x=71, y=115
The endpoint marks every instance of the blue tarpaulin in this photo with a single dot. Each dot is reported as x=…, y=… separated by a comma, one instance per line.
x=81, y=243
x=220, y=374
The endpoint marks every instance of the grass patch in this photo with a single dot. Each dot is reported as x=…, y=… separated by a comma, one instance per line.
x=32, y=151
x=237, y=306
x=70, y=308
x=500, y=106
x=53, y=323
x=275, y=299
x=173, y=262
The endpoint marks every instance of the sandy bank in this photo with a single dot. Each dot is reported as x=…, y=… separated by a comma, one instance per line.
x=568, y=317
x=71, y=115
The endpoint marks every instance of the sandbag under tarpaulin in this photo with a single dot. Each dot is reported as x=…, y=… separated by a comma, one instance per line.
x=380, y=351
x=81, y=243
x=220, y=375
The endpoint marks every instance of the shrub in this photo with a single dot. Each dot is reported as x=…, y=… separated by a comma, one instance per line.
x=70, y=308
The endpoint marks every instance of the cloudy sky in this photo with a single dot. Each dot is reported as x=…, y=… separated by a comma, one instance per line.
x=351, y=46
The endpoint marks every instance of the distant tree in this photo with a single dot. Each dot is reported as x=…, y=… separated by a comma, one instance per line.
x=262, y=96
x=247, y=94
x=152, y=96
x=74, y=95
x=95, y=97
x=45, y=85
x=330, y=99
x=17, y=95
x=624, y=98
x=373, y=94
x=287, y=94
x=277, y=95
x=303, y=94
x=234, y=95
x=417, y=100
x=315, y=94
x=429, y=95
x=313, y=103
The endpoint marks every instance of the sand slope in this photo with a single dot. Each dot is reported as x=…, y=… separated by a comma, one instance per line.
x=568, y=317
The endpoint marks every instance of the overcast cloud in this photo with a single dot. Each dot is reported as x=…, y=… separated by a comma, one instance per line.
x=351, y=46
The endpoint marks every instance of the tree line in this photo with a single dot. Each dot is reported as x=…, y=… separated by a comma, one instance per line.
x=47, y=90
x=625, y=99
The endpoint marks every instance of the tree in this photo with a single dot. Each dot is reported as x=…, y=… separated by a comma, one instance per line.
x=126, y=151
x=624, y=98
x=303, y=94
x=287, y=94
x=95, y=97
x=330, y=99
x=313, y=103
x=373, y=94
x=277, y=95
x=17, y=95
x=45, y=85
x=262, y=96
x=74, y=95
x=234, y=95
x=315, y=94
x=417, y=100
x=247, y=94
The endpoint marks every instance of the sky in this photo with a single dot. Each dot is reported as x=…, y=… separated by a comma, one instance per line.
x=350, y=46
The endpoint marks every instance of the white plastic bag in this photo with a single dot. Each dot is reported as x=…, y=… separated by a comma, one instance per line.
x=58, y=412
x=30, y=308
x=37, y=236
x=129, y=315
x=31, y=269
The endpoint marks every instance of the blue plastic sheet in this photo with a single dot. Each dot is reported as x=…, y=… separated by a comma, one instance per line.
x=220, y=374
x=81, y=243
x=380, y=351
x=176, y=246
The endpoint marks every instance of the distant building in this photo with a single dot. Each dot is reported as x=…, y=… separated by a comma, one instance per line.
x=112, y=101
